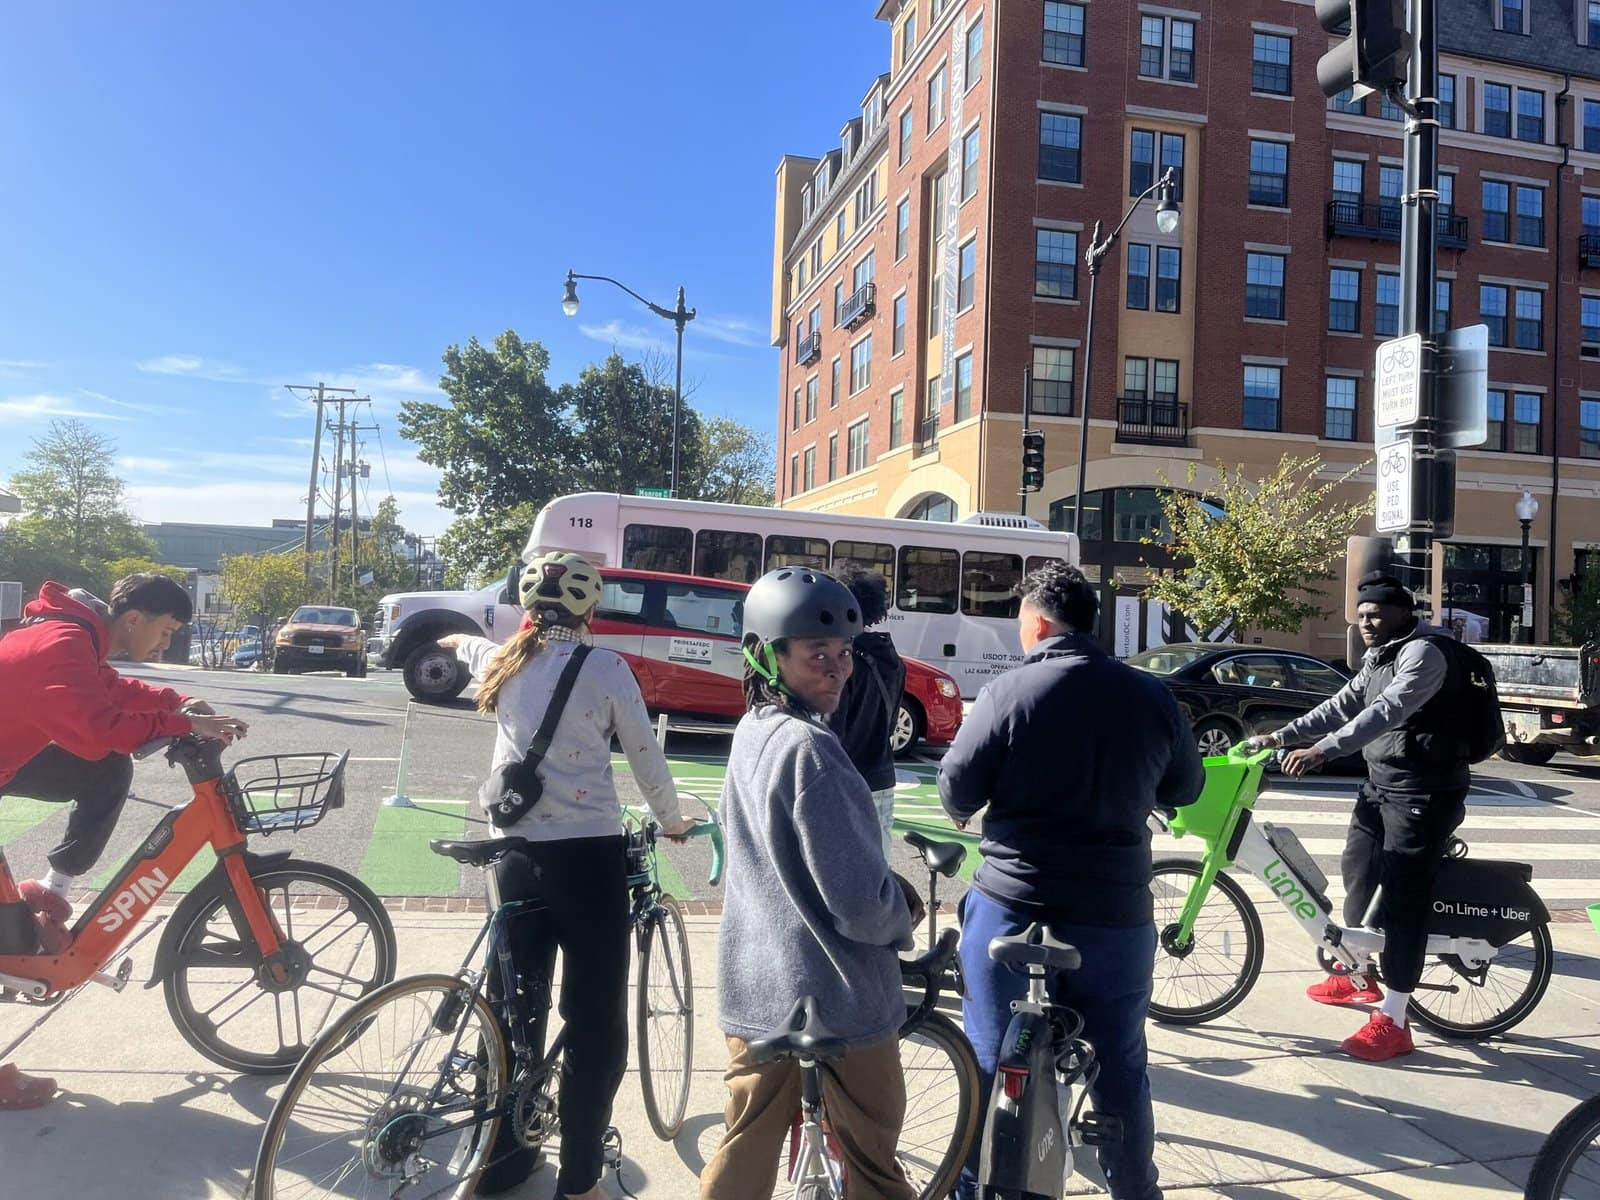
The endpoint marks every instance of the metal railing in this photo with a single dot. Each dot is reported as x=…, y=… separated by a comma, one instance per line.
x=808, y=349
x=928, y=434
x=1589, y=250
x=858, y=306
x=1381, y=221
x=1157, y=422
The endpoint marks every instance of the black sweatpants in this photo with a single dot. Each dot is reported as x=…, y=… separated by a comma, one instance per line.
x=1397, y=840
x=583, y=883
x=97, y=790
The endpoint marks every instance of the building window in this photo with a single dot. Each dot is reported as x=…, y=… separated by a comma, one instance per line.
x=1525, y=423
x=794, y=416
x=1388, y=110
x=936, y=99
x=808, y=469
x=794, y=474
x=1589, y=428
x=1530, y=115
x=1441, y=305
x=963, y=387
x=1269, y=64
x=902, y=228
x=1530, y=216
x=974, y=52
x=1052, y=380
x=1590, y=215
x=1180, y=51
x=1511, y=17
x=1063, y=34
x=897, y=335
x=1386, y=322
x=1492, y=311
x=1169, y=273
x=1530, y=319
x=1153, y=47
x=969, y=165
x=908, y=37
x=1391, y=182
x=1589, y=308
x=1497, y=110
x=1172, y=160
x=1263, y=395
x=897, y=419
x=856, y=451
x=1263, y=287
x=1592, y=24
x=1347, y=181
x=1447, y=101
x=1138, y=275
x=864, y=272
x=811, y=399
x=839, y=232
x=838, y=301
x=861, y=364
x=833, y=393
x=1166, y=49
x=1339, y=409
x=1060, y=146
x=833, y=457
x=1135, y=378
x=1496, y=211
x=1346, y=102
x=1591, y=122
x=967, y=277
x=1344, y=300
x=1269, y=173
x=1141, y=161
x=906, y=120
x=1055, y=263
x=1447, y=196
x=1496, y=438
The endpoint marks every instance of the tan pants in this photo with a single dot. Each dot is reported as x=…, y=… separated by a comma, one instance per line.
x=864, y=1095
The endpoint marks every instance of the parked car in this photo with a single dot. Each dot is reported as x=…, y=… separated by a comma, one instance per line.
x=320, y=638
x=1230, y=691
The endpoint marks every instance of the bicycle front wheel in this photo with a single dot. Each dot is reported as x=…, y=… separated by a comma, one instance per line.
x=339, y=945
x=1457, y=1002
x=664, y=1018
x=941, y=1122
x=402, y=1095
x=1215, y=970
x=1567, y=1166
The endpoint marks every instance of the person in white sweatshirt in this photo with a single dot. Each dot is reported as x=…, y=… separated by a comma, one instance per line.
x=575, y=860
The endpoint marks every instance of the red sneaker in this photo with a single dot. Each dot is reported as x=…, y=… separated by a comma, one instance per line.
x=18, y=1091
x=43, y=901
x=1339, y=989
x=1379, y=1040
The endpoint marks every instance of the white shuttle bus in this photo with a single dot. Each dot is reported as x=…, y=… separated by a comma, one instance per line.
x=949, y=582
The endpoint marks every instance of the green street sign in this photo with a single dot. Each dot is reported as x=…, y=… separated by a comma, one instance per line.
x=663, y=493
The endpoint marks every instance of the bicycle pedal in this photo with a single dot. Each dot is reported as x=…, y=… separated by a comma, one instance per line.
x=1098, y=1129
x=611, y=1147
x=118, y=981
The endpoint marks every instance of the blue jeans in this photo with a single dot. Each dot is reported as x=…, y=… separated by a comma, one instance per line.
x=1112, y=993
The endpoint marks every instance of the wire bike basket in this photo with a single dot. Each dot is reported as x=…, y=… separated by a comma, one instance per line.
x=284, y=791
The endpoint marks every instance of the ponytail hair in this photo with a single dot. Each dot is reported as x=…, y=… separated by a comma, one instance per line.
x=522, y=649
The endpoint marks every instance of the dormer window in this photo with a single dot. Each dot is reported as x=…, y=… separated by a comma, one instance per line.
x=806, y=202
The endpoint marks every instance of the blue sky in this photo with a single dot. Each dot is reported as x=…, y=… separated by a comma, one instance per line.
x=204, y=202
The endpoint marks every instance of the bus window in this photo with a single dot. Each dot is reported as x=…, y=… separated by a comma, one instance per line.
x=874, y=556
x=657, y=548
x=719, y=554
x=929, y=580
x=713, y=610
x=621, y=600
x=986, y=583
x=1035, y=561
x=796, y=552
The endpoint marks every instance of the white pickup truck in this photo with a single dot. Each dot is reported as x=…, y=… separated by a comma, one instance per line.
x=409, y=625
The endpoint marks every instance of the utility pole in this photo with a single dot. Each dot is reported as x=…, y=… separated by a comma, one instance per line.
x=338, y=485
x=318, y=393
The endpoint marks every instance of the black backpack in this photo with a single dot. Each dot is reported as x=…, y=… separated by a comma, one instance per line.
x=1469, y=675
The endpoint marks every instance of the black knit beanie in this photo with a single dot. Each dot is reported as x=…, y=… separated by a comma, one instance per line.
x=1382, y=588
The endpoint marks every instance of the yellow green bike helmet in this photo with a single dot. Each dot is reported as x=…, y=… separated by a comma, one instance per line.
x=559, y=588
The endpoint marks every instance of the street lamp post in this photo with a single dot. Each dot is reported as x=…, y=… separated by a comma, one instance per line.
x=1527, y=510
x=1166, y=221
x=679, y=317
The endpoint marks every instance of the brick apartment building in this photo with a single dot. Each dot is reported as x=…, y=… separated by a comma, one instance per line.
x=925, y=263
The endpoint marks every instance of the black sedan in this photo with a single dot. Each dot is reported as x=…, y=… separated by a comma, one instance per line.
x=1230, y=692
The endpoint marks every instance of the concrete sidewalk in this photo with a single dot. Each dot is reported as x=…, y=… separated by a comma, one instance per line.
x=1259, y=1104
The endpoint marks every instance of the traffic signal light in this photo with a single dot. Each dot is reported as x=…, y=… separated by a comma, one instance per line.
x=1032, y=460
x=1376, y=52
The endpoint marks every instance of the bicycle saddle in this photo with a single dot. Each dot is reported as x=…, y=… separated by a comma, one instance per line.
x=1034, y=946
x=944, y=857
x=802, y=1035
x=478, y=853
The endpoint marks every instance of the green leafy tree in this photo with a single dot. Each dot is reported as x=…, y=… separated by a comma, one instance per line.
x=263, y=587
x=736, y=464
x=1577, y=620
x=371, y=562
x=623, y=430
x=114, y=570
x=1251, y=553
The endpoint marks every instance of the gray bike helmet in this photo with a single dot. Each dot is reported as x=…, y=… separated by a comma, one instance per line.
x=797, y=602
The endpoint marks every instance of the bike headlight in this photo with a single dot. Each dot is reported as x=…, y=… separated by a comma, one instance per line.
x=947, y=688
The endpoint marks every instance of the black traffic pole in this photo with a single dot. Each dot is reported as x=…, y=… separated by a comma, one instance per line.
x=1027, y=423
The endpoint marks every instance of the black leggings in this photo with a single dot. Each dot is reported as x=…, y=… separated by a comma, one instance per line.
x=1398, y=840
x=97, y=788
x=583, y=883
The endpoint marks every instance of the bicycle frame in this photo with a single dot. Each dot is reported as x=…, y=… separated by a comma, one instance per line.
x=815, y=1160
x=171, y=846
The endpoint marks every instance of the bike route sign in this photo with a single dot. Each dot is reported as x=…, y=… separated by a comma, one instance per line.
x=1394, y=487
x=1398, y=393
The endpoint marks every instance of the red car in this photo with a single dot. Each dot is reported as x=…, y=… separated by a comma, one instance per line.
x=681, y=636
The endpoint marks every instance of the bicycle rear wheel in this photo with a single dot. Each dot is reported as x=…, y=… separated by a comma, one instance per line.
x=1458, y=1003
x=1567, y=1166
x=386, y=1102
x=664, y=1019
x=1217, y=968
x=941, y=1122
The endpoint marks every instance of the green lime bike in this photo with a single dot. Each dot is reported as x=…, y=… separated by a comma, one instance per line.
x=1489, y=953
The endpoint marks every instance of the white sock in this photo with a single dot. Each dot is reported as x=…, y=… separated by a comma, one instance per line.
x=1394, y=1006
x=57, y=882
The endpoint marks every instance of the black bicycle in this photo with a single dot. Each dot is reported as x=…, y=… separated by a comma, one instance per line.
x=404, y=1095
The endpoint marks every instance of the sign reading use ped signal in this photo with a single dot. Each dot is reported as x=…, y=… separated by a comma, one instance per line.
x=1394, y=487
x=1398, y=394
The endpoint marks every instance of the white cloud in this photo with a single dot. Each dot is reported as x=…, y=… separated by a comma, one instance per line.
x=147, y=466
x=21, y=364
x=172, y=364
x=44, y=407
x=736, y=331
x=626, y=337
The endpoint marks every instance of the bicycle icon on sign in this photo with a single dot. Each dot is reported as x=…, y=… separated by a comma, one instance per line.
x=1399, y=358
x=1394, y=463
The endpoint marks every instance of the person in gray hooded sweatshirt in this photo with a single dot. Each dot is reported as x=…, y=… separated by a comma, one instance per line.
x=811, y=907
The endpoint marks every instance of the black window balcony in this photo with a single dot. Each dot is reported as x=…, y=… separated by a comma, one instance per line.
x=858, y=306
x=1589, y=250
x=928, y=434
x=808, y=349
x=1381, y=222
x=1157, y=422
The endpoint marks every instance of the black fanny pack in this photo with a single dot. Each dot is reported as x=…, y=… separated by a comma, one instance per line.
x=516, y=785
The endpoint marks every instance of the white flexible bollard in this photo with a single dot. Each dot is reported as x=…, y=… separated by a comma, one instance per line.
x=399, y=799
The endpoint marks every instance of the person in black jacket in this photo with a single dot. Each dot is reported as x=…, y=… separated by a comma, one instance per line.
x=1071, y=751
x=864, y=720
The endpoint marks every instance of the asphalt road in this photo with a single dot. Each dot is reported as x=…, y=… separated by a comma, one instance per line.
x=1547, y=815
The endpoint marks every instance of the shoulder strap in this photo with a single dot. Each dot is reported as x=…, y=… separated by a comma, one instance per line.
x=540, y=746
x=94, y=634
x=883, y=688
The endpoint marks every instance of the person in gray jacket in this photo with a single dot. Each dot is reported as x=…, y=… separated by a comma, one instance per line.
x=811, y=907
